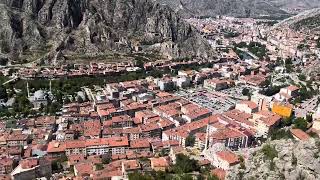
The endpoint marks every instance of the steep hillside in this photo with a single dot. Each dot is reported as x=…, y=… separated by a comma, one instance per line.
x=242, y=8
x=308, y=20
x=53, y=29
x=281, y=159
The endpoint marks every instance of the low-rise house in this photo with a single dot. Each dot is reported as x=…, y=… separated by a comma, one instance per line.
x=16, y=139
x=32, y=168
x=151, y=130
x=163, y=146
x=74, y=159
x=123, y=121
x=225, y=159
x=159, y=164
x=193, y=112
x=56, y=148
x=140, y=145
x=6, y=165
x=298, y=134
x=287, y=93
x=141, y=117
x=83, y=169
x=91, y=129
x=216, y=84
x=75, y=147
x=166, y=84
x=265, y=121
x=247, y=107
x=130, y=166
x=255, y=80
x=220, y=173
x=113, y=145
x=45, y=121
x=231, y=138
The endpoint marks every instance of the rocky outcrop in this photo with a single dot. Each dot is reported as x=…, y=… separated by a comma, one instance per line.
x=295, y=160
x=44, y=28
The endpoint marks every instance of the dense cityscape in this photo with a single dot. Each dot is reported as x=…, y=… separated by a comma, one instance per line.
x=251, y=108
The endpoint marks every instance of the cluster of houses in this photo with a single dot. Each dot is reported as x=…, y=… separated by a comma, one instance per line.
x=125, y=122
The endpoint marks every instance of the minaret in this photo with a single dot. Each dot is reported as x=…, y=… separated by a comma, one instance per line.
x=207, y=138
x=50, y=86
x=28, y=92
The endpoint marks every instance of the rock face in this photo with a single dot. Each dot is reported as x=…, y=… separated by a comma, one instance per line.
x=50, y=29
x=242, y=8
x=295, y=160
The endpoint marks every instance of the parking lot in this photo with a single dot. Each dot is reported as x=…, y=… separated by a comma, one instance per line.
x=217, y=102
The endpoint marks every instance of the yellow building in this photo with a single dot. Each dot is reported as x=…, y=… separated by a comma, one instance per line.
x=284, y=110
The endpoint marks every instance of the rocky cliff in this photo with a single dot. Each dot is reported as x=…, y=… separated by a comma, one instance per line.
x=289, y=159
x=52, y=29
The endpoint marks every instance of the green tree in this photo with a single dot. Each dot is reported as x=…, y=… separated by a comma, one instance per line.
x=301, y=123
x=106, y=159
x=213, y=177
x=190, y=140
x=99, y=167
x=3, y=93
x=269, y=152
x=79, y=99
x=277, y=134
x=309, y=118
x=139, y=176
x=245, y=92
x=185, y=165
x=302, y=77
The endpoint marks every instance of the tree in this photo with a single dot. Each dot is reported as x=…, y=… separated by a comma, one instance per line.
x=269, y=152
x=190, y=140
x=66, y=100
x=301, y=123
x=185, y=165
x=287, y=121
x=139, y=176
x=309, y=118
x=245, y=92
x=302, y=77
x=99, y=167
x=79, y=99
x=3, y=93
x=277, y=134
x=213, y=177
x=106, y=159
x=3, y=61
x=139, y=63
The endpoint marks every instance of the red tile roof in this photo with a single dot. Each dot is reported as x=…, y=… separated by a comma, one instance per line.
x=228, y=156
x=56, y=147
x=300, y=134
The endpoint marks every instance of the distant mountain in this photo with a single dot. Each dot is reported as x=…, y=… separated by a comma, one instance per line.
x=50, y=30
x=308, y=20
x=241, y=8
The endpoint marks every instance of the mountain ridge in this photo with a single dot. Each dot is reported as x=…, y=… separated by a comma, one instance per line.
x=50, y=29
x=241, y=8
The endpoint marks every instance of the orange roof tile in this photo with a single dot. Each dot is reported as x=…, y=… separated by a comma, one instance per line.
x=55, y=147
x=228, y=156
x=300, y=134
